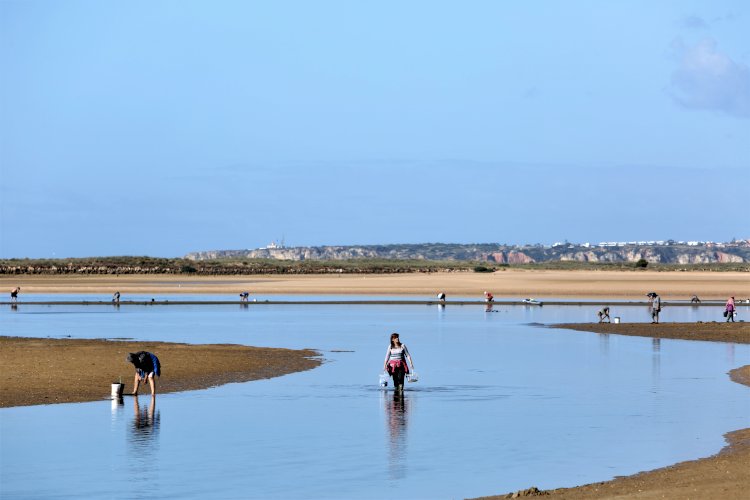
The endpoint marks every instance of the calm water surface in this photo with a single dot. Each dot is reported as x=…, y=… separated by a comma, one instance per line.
x=502, y=404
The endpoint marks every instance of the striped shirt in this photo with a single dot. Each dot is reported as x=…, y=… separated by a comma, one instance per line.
x=397, y=353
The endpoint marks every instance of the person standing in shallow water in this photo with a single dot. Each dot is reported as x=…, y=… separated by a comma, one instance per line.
x=395, y=362
x=729, y=310
x=14, y=294
x=654, y=304
x=147, y=367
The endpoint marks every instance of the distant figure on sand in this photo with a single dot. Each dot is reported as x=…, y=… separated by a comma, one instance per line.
x=14, y=294
x=116, y=297
x=488, y=297
x=654, y=305
x=147, y=367
x=695, y=300
x=729, y=310
x=395, y=362
x=603, y=314
x=244, y=296
x=441, y=296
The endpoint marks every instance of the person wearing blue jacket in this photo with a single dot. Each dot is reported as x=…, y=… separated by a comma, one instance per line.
x=147, y=367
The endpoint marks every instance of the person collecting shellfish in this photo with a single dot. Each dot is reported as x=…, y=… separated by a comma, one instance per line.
x=147, y=367
x=396, y=362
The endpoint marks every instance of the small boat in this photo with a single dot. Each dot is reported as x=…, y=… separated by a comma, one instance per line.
x=532, y=302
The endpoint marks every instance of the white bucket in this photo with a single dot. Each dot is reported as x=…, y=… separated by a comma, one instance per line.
x=412, y=377
x=383, y=380
x=617, y=319
x=117, y=389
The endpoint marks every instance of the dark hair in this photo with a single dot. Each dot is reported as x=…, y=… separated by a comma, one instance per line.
x=394, y=335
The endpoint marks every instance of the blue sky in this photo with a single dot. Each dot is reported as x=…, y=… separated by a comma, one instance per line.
x=164, y=127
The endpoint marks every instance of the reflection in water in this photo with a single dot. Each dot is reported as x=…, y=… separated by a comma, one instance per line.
x=656, y=345
x=656, y=363
x=146, y=419
x=604, y=343
x=397, y=411
x=144, y=436
x=117, y=405
x=730, y=353
x=441, y=312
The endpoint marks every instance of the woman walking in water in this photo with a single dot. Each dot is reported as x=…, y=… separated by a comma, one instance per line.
x=395, y=362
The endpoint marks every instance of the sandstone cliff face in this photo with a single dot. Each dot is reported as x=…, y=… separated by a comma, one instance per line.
x=709, y=258
x=509, y=258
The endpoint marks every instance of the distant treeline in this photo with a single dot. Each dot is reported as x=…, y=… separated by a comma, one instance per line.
x=179, y=266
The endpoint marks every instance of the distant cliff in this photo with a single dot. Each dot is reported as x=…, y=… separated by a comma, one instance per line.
x=420, y=258
x=667, y=253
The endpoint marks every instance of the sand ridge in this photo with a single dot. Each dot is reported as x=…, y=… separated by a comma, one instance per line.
x=510, y=283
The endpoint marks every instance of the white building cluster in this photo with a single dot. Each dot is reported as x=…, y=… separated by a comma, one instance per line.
x=651, y=243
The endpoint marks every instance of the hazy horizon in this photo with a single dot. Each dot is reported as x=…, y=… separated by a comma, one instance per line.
x=161, y=128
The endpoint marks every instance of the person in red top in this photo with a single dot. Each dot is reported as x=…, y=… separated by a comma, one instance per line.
x=488, y=297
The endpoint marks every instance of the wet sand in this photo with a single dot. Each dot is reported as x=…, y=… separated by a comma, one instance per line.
x=511, y=283
x=46, y=371
x=724, y=476
x=738, y=333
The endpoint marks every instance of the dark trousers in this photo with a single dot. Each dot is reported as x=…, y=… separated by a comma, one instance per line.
x=398, y=375
x=730, y=316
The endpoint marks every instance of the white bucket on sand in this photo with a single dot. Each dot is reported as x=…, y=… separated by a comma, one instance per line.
x=617, y=319
x=117, y=389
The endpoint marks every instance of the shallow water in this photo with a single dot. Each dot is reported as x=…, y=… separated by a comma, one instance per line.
x=501, y=404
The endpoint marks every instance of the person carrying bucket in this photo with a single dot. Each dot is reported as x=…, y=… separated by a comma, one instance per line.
x=729, y=310
x=147, y=367
x=395, y=362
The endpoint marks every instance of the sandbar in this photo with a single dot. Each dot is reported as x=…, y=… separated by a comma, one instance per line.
x=508, y=283
x=46, y=371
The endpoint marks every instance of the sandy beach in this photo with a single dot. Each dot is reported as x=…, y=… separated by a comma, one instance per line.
x=511, y=283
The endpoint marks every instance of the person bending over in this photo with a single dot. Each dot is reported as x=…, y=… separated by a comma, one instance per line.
x=147, y=367
x=395, y=362
x=604, y=315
